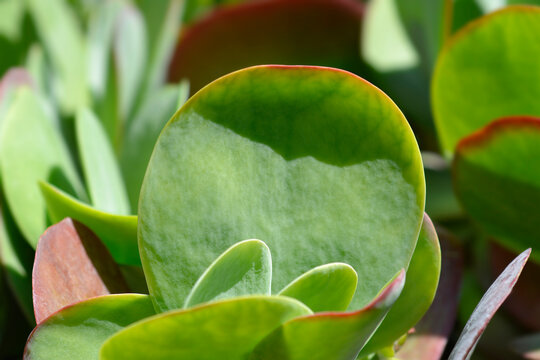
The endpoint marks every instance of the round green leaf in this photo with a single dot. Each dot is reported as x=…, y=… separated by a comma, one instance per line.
x=497, y=179
x=316, y=162
x=227, y=329
x=488, y=70
x=79, y=330
x=118, y=232
x=418, y=292
x=327, y=287
x=244, y=269
x=32, y=150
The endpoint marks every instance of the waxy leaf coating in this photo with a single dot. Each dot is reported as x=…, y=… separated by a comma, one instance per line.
x=71, y=265
x=497, y=179
x=227, y=329
x=316, y=162
x=329, y=335
x=244, y=269
x=79, y=330
x=118, y=232
x=488, y=70
x=327, y=287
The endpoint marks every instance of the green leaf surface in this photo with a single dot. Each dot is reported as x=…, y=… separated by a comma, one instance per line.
x=130, y=55
x=11, y=16
x=316, y=162
x=142, y=133
x=300, y=32
x=329, y=287
x=496, y=52
x=71, y=265
x=118, y=232
x=331, y=335
x=244, y=269
x=32, y=150
x=418, y=292
x=100, y=167
x=79, y=330
x=227, y=329
x=17, y=259
x=12, y=80
x=497, y=179
x=59, y=30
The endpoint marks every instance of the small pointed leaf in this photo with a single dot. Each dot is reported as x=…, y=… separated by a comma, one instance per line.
x=327, y=287
x=486, y=308
x=244, y=269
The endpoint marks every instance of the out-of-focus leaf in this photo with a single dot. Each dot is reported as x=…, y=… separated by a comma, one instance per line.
x=228, y=329
x=13, y=79
x=162, y=20
x=38, y=69
x=306, y=32
x=142, y=133
x=59, y=30
x=102, y=173
x=486, y=308
x=496, y=52
x=418, y=293
x=71, y=265
x=386, y=45
x=497, y=179
x=244, y=269
x=431, y=334
x=11, y=16
x=196, y=9
x=32, y=150
x=329, y=287
x=17, y=258
x=528, y=346
x=100, y=36
x=118, y=232
x=130, y=54
x=79, y=330
x=523, y=302
x=296, y=156
x=330, y=335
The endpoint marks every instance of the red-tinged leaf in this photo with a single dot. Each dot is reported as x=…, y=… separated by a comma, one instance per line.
x=71, y=265
x=487, y=307
x=289, y=32
x=12, y=78
x=523, y=304
x=329, y=335
x=431, y=333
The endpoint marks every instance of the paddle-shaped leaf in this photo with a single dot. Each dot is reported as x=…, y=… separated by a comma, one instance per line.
x=307, y=32
x=101, y=171
x=228, y=329
x=118, y=232
x=418, y=293
x=325, y=288
x=77, y=331
x=497, y=179
x=486, y=308
x=330, y=335
x=71, y=265
x=31, y=149
x=316, y=162
x=496, y=52
x=244, y=269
